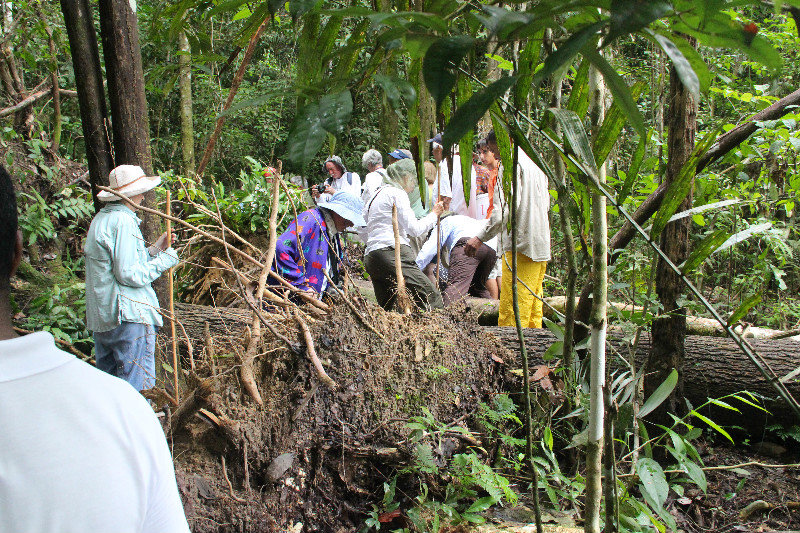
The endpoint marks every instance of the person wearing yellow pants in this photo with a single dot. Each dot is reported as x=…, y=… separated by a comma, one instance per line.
x=533, y=235
x=529, y=292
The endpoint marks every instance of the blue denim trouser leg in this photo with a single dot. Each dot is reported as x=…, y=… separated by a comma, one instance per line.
x=128, y=352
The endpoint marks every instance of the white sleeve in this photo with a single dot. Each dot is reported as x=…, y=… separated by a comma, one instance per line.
x=408, y=221
x=355, y=187
x=164, y=508
x=427, y=252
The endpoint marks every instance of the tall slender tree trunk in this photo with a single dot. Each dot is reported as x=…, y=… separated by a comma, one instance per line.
x=185, y=83
x=597, y=321
x=669, y=330
x=91, y=98
x=119, y=31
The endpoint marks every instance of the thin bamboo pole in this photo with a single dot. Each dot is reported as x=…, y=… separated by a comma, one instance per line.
x=171, y=290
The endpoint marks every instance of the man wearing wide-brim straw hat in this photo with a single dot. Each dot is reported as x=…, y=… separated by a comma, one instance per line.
x=121, y=305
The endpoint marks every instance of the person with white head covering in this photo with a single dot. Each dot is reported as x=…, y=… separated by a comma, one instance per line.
x=121, y=305
x=379, y=253
x=339, y=179
x=372, y=161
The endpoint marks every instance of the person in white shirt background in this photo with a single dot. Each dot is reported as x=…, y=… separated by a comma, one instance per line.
x=339, y=179
x=82, y=451
x=372, y=161
x=441, y=186
x=465, y=274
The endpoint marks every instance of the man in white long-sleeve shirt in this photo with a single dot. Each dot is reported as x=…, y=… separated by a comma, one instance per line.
x=533, y=237
x=467, y=274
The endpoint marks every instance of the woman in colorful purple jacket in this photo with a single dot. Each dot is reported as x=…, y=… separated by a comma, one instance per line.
x=309, y=248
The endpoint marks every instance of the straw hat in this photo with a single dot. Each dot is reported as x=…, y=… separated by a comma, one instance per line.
x=129, y=180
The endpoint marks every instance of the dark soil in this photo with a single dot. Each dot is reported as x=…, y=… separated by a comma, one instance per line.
x=345, y=442
x=730, y=491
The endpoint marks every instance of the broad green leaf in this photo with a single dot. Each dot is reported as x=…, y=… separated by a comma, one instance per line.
x=620, y=90
x=575, y=135
x=528, y=59
x=242, y=14
x=466, y=142
x=718, y=30
x=653, y=481
x=660, y=394
x=396, y=90
x=567, y=52
x=681, y=186
x=441, y=63
x=335, y=111
x=501, y=21
x=744, y=308
x=611, y=128
x=703, y=250
x=504, y=145
x=682, y=66
x=714, y=425
x=468, y=114
x=744, y=235
x=629, y=16
x=298, y=8
x=579, y=97
x=306, y=135
x=633, y=170
x=482, y=504
x=694, y=58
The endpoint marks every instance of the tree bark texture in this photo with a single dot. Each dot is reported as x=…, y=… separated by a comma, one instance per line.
x=185, y=85
x=669, y=329
x=123, y=59
x=91, y=98
x=713, y=367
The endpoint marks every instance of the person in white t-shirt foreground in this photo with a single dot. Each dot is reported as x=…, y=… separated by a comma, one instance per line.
x=82, y=451
x=339, y=179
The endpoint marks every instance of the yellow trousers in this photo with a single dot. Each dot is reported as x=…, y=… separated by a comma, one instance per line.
x=531, y=276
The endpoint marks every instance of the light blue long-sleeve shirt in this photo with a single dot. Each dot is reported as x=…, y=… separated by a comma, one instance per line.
x=119, y=271
x=453, y=229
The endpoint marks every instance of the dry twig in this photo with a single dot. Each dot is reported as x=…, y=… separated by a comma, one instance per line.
x=312, y=353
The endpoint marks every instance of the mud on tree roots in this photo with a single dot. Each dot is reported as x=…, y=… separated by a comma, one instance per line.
x=312, y=454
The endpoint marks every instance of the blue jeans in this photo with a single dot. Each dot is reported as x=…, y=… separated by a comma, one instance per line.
x=128, y=352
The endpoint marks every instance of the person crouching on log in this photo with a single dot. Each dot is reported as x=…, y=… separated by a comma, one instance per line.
x=379, y=258
x=121, y=305
x=467, y=274
x=310, y=246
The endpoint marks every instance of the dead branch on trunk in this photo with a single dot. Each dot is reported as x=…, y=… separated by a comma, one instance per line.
x=312, y=352
x=237, y=80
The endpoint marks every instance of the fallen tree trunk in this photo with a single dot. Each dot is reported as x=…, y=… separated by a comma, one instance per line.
x=714, y=368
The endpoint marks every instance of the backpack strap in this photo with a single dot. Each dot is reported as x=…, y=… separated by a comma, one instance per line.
x=349, y=178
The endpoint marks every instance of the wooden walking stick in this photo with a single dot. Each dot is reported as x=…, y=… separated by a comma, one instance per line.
x=438, y=227
x=403, y=299
x=171, y=289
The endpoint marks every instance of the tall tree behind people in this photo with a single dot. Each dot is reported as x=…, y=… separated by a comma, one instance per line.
x=669, y=330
